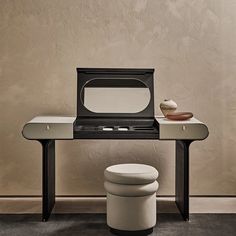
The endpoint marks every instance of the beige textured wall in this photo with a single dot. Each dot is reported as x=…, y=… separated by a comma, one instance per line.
x=191, y=43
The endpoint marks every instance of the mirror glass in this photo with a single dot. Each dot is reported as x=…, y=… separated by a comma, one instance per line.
x=119, y=95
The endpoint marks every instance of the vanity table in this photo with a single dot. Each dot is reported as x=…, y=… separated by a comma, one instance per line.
x=132, y=117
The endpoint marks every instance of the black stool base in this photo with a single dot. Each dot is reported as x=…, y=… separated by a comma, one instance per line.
x=131, y=233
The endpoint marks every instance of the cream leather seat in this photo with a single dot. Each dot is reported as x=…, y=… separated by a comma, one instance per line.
x=131, y=197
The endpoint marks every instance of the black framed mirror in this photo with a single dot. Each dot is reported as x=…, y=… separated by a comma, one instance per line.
x=120, y=93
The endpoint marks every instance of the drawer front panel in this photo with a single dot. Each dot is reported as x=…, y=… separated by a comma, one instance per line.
x=48, y=131
x=183, y=131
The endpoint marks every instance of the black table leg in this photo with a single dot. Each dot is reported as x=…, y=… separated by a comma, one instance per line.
x=182, y=177
x=48, y=177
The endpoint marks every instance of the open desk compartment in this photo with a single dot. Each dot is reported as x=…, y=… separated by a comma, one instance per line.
x=115, y=104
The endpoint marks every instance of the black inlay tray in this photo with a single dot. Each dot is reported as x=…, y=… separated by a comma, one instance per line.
x=119, y=129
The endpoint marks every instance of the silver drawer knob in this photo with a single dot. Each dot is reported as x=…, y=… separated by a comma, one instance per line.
x=47, y=127
x=183, y=127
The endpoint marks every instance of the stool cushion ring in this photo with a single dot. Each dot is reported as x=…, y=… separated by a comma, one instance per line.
x=131, y=190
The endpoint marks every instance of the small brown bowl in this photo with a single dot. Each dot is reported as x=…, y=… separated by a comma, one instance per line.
x=179, y=116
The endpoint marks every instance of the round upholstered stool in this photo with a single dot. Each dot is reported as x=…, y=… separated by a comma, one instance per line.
x=131, y=198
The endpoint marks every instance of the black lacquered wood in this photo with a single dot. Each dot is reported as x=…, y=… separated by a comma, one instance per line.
x=182, y=177
x=108, y=77
x=48, y=182
x=140, y=125
x=136, y=129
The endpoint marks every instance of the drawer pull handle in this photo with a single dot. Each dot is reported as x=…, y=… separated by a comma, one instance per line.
x=183, y=127
x=47, y=127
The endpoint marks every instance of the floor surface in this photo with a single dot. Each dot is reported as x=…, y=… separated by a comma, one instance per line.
x=95, y=225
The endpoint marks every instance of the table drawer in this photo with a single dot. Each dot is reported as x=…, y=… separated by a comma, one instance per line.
x=196, y=131
x=49, y=128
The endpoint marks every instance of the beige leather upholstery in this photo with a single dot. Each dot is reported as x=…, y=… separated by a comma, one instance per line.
x=131, y=196
x=187, y=129
x=131, y=190
x=49, y=127
x=131, y=213
x=131, y=174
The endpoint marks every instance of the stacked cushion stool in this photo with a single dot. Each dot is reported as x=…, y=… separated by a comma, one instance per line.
x=131, y=198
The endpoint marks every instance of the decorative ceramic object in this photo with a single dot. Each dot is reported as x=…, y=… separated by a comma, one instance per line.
x=168, y=107
x=179, y=116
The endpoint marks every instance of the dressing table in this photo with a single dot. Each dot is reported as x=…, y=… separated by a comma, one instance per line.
x=132, y=117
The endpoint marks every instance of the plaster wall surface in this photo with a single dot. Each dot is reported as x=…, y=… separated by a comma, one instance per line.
x=191, y=44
